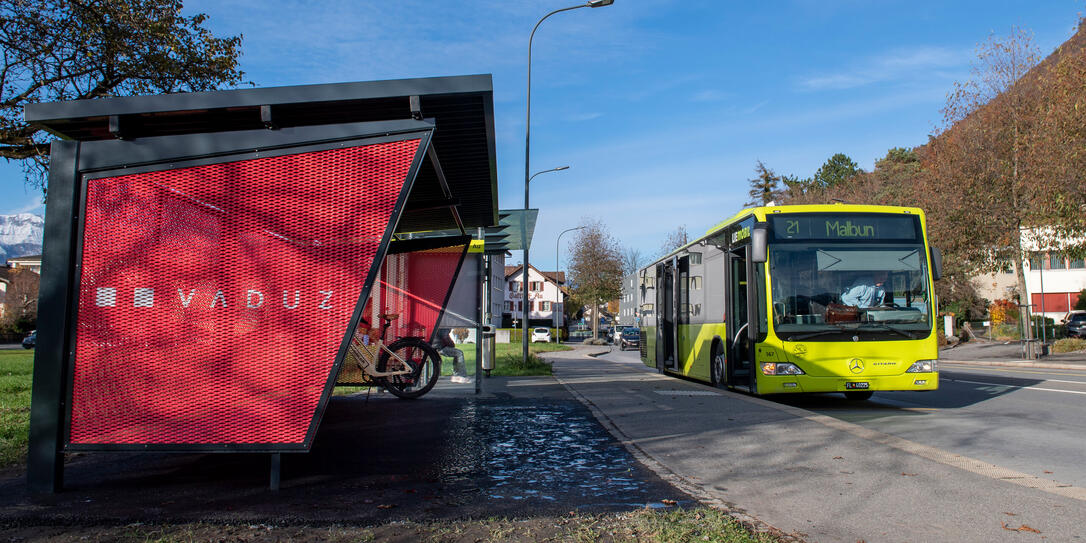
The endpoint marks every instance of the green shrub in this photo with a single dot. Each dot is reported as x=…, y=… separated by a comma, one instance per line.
x=1006, y=331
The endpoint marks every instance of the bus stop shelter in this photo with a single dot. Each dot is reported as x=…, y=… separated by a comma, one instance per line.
x=209, y=256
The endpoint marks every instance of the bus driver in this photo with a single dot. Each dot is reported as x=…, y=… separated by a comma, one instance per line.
x=866, y=291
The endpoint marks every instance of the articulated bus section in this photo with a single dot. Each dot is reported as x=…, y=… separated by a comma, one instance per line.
x=790, y=299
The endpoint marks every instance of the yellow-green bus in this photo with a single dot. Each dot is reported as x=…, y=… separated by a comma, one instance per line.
x=788, y=299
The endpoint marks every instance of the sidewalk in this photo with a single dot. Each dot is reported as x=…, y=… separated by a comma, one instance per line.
x=523, y=448
x=818, y=477
x=1008, y=354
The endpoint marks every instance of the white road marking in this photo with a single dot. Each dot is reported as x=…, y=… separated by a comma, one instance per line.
x=1019, y=387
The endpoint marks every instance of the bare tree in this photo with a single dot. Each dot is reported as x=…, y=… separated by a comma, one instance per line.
x=595, y=269
x=631, y=261
x=675, y=239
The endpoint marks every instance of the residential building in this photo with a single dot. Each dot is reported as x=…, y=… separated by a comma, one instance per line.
x=31, y=262
x=546, y=299
x=629, y=304
x=1053, y=279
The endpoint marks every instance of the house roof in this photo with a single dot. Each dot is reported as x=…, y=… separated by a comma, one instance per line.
x=550, y=275
x=27, y=258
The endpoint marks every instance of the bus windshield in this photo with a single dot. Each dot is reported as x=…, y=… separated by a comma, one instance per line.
x=858, y=291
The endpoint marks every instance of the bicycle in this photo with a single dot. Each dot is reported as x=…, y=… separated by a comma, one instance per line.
x=408, y=368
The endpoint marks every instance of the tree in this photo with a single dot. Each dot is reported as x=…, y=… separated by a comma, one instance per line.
x=631, y=261
x=21, y=301
x=1080, y=303
x=595, y=269
x=675, y=239
x=838, y=169
x=982, y=191
x=765, y=187
x=81, y=49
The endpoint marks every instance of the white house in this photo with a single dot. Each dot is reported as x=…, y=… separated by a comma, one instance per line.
x=1053, y=280
x=545, y=298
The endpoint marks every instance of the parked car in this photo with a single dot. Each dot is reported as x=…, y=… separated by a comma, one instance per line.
x=630, y=339
x=541, y=335
x=1076, y=325
x=31, y=341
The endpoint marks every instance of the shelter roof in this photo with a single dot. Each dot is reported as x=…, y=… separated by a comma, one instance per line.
x=461, y=108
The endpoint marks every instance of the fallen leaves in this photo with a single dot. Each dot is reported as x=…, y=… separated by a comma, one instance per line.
x=668, y=502
x=903, y=474
x=1022, y=528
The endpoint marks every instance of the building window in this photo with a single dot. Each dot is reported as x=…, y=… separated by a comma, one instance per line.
x=695, y=259
x=544, y=306
x=535, y=286
x=695, y=282
x=1056, y=262
x=1035, y=262
x=1078, y=264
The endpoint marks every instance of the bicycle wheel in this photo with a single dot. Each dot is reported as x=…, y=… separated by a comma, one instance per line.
x=421, y=358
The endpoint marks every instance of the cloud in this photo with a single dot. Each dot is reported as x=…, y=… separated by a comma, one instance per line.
x=581, y=117
x=897, y=65
x=708, y=95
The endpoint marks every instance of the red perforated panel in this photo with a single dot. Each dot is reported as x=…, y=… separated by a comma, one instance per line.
x=414, y=285
x=213, y=299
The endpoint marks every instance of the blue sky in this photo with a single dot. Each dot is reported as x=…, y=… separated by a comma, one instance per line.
x=659, y=107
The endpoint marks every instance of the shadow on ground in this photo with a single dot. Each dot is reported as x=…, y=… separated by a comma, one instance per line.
x=376, y=458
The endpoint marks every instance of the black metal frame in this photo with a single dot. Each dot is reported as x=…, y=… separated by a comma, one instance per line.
x=73, y=164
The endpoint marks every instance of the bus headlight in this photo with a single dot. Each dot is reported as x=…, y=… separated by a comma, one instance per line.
x=780, y=368
x=922, y=366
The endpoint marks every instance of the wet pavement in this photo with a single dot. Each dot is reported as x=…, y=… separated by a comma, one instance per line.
x=523, y=448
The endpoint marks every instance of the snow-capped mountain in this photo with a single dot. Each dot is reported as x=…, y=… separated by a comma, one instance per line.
x=20, y=235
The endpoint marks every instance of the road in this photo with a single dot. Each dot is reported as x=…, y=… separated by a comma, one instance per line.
x=1007, y=439
x=1028, y=419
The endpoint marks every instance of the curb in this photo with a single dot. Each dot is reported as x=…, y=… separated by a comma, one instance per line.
x=1016, y=364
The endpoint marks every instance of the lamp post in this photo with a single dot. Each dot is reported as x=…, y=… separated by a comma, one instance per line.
x=557, y=291
x=525, y=309
x=527, y=148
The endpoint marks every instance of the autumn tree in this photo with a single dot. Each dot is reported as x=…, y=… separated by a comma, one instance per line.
x=82, y=49
x=983, y=189
x=764, y=187
x=20, y=301
x=595, y=269
x=675, y=239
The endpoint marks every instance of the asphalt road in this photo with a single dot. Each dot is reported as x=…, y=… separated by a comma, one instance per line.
x=990, y=431
x=1028, y=419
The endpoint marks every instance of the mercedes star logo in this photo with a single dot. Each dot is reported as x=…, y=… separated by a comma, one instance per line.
x=856, y=365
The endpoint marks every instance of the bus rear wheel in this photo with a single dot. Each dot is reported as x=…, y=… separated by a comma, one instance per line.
x=716, y=367
x=858, y=395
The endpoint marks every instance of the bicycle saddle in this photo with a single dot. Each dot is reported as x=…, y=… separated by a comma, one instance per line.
x=389, y=316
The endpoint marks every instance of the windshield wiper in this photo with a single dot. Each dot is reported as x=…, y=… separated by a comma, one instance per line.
x=905, y=333
x=802, y=337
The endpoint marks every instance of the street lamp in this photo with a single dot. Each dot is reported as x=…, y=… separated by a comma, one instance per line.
x=524, y=269
x=557, y=291
x=527, y=148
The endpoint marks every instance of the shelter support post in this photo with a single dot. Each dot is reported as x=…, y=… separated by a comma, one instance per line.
x=45, y=459
x=276, y=471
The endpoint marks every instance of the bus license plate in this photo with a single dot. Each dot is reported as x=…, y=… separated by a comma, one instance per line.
x=855, y=385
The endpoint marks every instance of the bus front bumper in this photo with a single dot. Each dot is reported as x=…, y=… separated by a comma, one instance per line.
x=784, y=384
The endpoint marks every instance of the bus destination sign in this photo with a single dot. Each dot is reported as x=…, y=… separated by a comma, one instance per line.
x=845, y=226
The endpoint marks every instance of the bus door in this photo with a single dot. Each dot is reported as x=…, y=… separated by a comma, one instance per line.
x=738, y=291
x=666, y=346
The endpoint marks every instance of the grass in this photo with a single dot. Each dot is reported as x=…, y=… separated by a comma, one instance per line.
x=16, y=368
x=508, y=359
x=646, y=525
x=1069, y=345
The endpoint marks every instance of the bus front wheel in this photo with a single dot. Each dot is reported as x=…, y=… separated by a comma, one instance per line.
x=858, y=395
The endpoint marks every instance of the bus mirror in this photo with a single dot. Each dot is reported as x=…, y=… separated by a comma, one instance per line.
x=936, y=263
x=759, y=235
